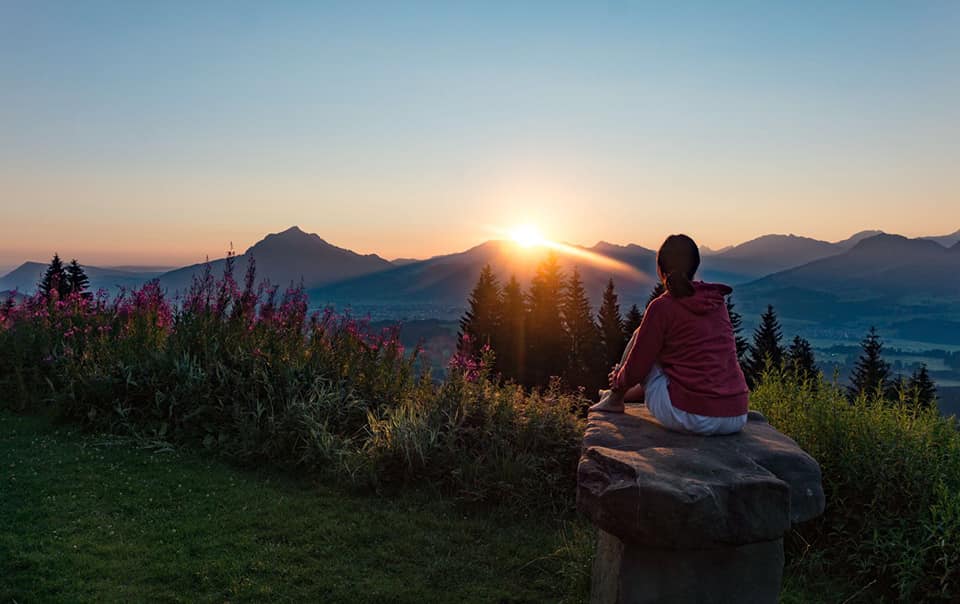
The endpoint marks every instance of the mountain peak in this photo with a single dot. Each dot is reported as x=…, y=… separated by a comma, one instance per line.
x=293, y=236
x=857, y=237
x=899, y=244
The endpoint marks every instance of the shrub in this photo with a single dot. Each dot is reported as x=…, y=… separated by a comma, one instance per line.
x=485, y=441
x=891, y=473
x=254, y=376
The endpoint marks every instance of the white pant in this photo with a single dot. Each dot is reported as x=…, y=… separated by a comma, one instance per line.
x=657, y=397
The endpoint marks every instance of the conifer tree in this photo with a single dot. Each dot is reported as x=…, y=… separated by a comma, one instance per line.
x=611, y=326
x=922, y=388
x=765, y=348
x=871, y=374
x=631, y=322
x=800, y=359
x=76, y=279
x=547, y=345
x=736, y=320
x=657, y=291
x=510, y=344
x=585, y=360
x=54, y=281
x=479, y=324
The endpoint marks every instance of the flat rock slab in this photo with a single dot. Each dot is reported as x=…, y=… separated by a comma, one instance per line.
x=647, y=485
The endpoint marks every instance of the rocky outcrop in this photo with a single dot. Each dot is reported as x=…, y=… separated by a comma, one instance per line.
x=703, y=514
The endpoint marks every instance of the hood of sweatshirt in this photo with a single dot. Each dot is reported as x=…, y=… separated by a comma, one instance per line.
x=707, y=297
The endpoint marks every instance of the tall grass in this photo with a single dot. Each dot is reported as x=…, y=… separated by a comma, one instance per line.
x=891, y=473
x=251, y=374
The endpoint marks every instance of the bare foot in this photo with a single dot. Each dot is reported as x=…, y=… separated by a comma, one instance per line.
x=610, y=401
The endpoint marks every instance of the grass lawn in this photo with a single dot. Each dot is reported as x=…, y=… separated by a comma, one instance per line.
x=87, y=518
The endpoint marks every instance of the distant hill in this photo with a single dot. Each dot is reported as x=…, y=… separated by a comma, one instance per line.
x=708, y=251
x=769, y=254
x=25, y=277
x=946, y=240
x=882, y=265
x=448, y=279
x=287, y=258
x=7, y=294
x=765, y=255
x=856, y=238
x=907, y=285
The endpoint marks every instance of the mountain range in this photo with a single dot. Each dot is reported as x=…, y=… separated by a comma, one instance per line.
x=908, y=284
x=25, y=277
x=446, y=280
x=772, y=253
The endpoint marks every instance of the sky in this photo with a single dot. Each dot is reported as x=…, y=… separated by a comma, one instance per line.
x=160, y=133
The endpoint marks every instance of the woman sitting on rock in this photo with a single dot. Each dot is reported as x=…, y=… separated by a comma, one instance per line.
x=682, y=360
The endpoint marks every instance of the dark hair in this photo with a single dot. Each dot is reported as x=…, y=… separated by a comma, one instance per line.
x=678, y=260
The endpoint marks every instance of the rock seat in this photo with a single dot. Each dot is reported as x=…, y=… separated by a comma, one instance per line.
x=700, y=517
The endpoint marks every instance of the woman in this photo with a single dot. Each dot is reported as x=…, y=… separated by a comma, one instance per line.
x=682, y=360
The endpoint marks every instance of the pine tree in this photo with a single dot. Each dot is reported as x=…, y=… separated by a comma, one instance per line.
x=585, y=360
x=657, y=291
x=54, y=281
x=765, y=348
x=510, y=344
x=546, y=336
x=800, y=359
x=76, y=278
x=871, y=374
x=479, y=324
x=631, y=322
x=922, y=388
x=611, y=326
x=736, y=320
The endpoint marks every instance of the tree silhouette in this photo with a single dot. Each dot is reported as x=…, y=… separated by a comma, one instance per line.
x=765, y=348
x=922, y=388
x=611, y=326
x=871, y=374
x=800, y=359
x=632, y=322
x=510, y=344
x=657, y=291
x=585, y=358
x=76, y=279
x=547, y=344
x=54, y=281
x=736, y=320
x=479, y=324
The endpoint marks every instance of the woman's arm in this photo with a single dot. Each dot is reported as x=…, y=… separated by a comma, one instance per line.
x=644, y=350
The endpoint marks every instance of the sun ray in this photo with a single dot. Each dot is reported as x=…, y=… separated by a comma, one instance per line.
x=528, y=236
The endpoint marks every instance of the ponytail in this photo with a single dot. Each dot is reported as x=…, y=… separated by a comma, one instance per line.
x=678, y=284
x=677, y=262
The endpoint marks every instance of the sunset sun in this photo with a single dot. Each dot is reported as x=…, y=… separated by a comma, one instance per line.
x=527, y=235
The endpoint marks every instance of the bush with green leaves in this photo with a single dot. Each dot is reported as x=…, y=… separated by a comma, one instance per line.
x=255, y=377
x=891, y=473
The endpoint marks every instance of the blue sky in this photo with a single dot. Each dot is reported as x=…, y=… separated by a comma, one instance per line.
x=134, y=132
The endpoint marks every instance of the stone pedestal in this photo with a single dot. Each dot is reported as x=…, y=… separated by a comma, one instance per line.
x=688, y=518
x=634, y=574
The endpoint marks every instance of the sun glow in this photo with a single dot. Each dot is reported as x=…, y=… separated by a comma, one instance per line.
x=527, y=235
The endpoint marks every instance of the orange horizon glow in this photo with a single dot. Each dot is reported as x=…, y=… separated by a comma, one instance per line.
x=528, y=236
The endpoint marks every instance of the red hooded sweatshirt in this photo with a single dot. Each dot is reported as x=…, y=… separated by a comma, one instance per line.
x=693, y=341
